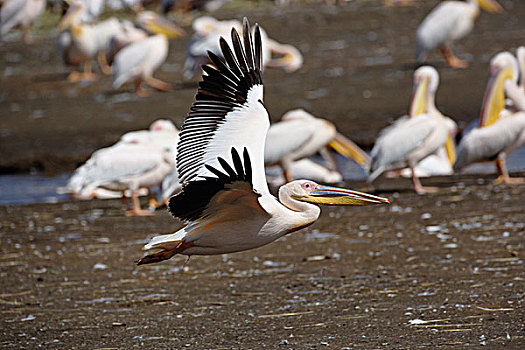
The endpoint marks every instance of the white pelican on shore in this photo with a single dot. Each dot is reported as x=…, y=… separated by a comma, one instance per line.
x=129, y=34
x=520, y=54
x=208, y=30
x=409, y=140
x=138, y=61
x=81, y=43
x=225, y=199
x=498, y=134
x=20, y=13
x=448, y=22
x=311, y=135
x=304, y=168
x=141, y=159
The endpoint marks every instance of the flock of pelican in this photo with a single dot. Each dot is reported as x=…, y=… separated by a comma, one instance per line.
x=212, y=172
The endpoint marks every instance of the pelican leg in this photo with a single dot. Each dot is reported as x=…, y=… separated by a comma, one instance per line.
x=136, y=211
x=125, y=200
x=420, y=189
x=165, y=254
x=159, y=84
x=504, y=174
x=452, y=60
x=86, y=75
x=139, y=90
x=26, y=36
x=103, y=63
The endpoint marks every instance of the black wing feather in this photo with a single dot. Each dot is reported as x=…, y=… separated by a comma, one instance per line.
x=223, y=88
x=190, y=203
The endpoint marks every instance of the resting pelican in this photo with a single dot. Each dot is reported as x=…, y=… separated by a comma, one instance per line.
x=449, y=22
x=409, y=140
x=208, y=30
x=311, y=135
x=498, y=134
x=141, y=159
x=520, y=53
x=304, y=168
x=137, y=61
x=20, y=13
x=225, y=199
x=86, y=41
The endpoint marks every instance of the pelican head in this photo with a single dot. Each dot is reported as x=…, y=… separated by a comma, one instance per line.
x=490, y=6
x=503, y=67
x=311, y=192
x=71, y=17
x=426, y=81
x=162, y=125
x=289, y=57
x=156, y=24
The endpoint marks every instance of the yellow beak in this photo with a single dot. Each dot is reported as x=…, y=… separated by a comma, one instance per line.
x=451, y=150
x=348, y=149
x=339, y=196
x=490, y=6
x=494, y=100
x=160, y=25
x=418, y=104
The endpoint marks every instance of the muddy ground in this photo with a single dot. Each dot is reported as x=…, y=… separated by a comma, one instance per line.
x=437, y=271
x=358, y=64
x=432, y=272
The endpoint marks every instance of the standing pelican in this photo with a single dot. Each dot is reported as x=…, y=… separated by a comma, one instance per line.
x=311, y=135
x=141, y=159
x=225, y=199
x=20, y=13
x=409, y=140
x=208, y=30
x=449, y=22
x=498, y=134
x=86, y=41
x=138, y=61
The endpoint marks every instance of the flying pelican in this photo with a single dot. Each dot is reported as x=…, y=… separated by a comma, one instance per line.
x=498, y=134
x=225, y=199
x=140, y=159
x=409, y=140
x=137, y=61
x=449, y=22
x=20, y=13
x=86, y=42
x=311, y=135
x=208, y=30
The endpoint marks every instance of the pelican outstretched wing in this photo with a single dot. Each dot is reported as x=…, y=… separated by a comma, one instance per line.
x=227, y=121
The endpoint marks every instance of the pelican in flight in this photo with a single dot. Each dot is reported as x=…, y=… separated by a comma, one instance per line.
x=409, y=140
x=449, y=22
x=225, y=199
x=311, y=135
x=499, y=132
x=138, y=61
x=141, y=159
x=208, y=30
x=20, y=13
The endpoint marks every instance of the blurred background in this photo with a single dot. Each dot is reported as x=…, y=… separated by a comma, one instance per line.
x=359, y=57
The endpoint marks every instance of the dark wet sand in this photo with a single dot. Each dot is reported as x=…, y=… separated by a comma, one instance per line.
x=355, y=279
x=357, y=72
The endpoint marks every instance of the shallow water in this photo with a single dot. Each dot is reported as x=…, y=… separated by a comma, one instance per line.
x=36, y=188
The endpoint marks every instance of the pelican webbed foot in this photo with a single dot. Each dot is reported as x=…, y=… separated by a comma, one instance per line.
x=509, y=180
x=418, y=187
x=136, y=210
x=81, y=76
x=452, y=60
x=159, y=84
